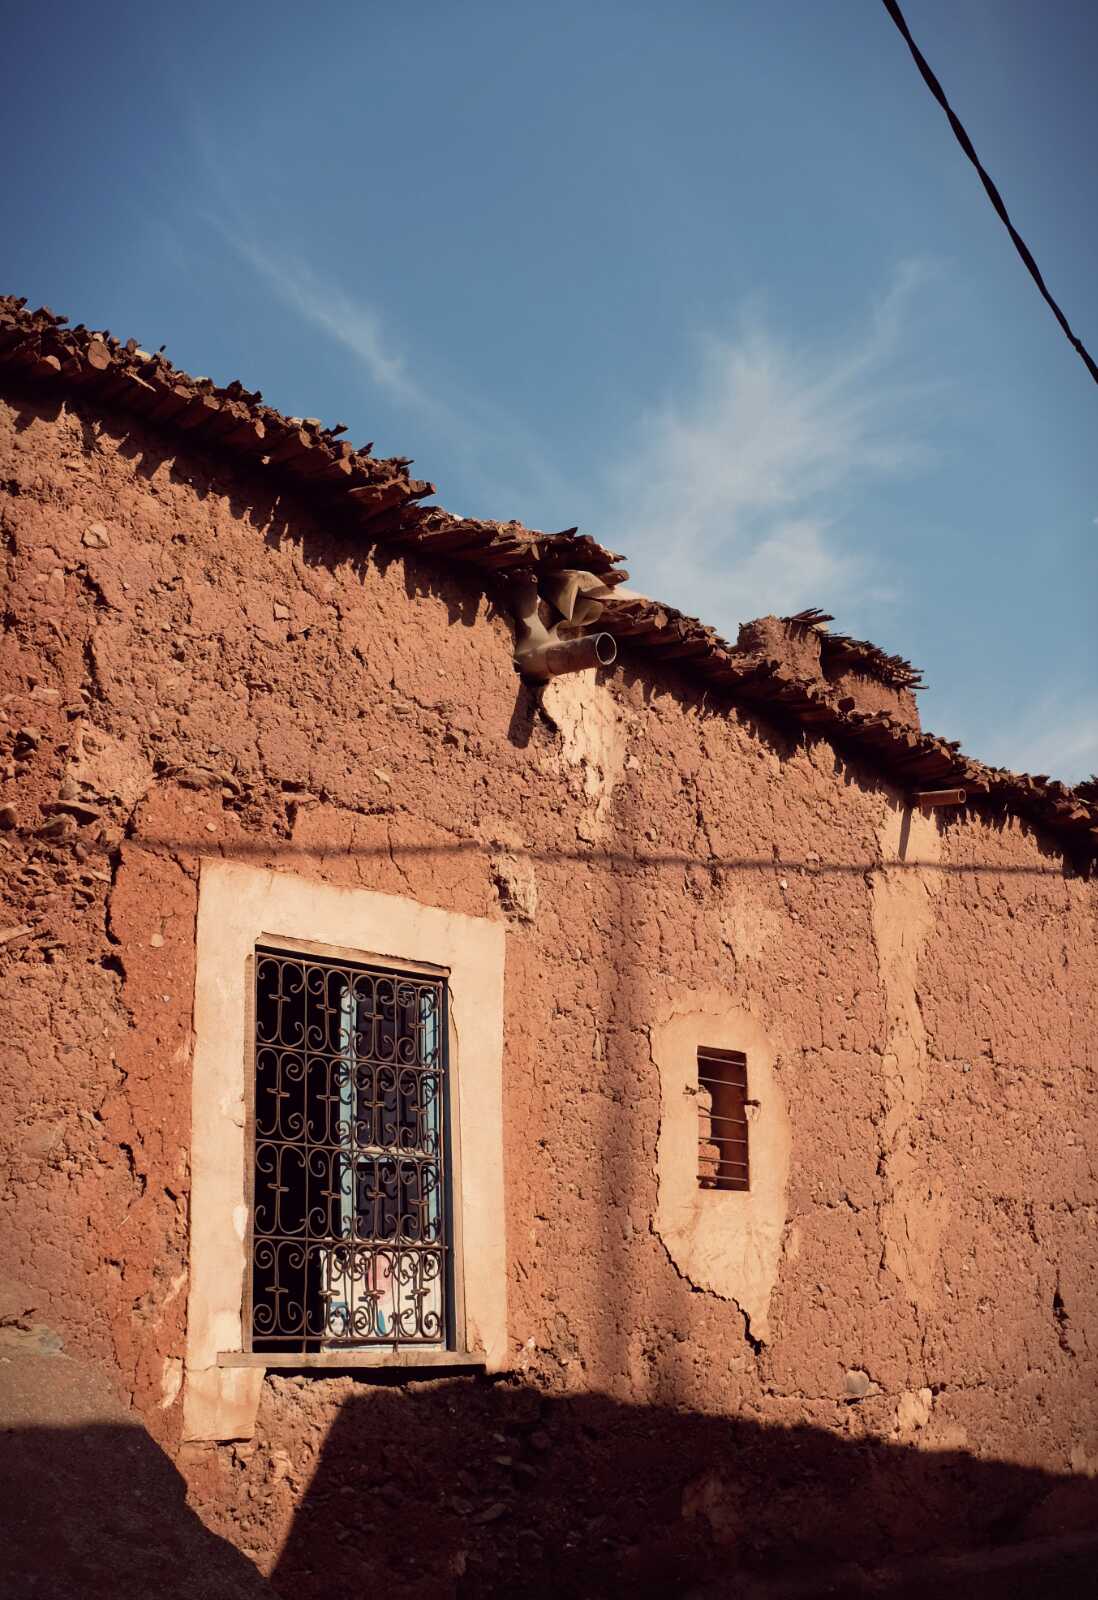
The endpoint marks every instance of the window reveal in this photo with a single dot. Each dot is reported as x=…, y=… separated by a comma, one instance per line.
x=350, y=1214
x=722, y=1120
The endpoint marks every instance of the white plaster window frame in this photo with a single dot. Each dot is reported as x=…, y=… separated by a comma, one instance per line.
x=725, y=1242
x=240, y=907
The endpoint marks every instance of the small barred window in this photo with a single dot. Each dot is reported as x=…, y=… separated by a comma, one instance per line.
x=350, y=1205
x=722, y=1120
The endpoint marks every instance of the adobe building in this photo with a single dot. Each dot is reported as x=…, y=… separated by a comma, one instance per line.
x=624, y=1125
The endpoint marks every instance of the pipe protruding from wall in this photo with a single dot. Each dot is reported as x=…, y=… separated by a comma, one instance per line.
x=569, y=655
x=926, y=799
x=544, y=650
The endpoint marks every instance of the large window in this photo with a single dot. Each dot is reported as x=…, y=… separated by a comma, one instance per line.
x=346, y=1151
x=350, y=1214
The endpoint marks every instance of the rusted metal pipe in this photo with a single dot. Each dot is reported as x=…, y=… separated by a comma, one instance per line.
x=927, y=798
x=557, y=656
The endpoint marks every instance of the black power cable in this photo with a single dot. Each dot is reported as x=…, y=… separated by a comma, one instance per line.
x=992, y=192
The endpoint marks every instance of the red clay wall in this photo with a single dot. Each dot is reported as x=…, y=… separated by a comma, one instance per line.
x=231, y=678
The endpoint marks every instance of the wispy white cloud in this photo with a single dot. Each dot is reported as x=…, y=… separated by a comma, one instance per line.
x=1057, y=734
x=732, y=499
x=349, y=321
x=506, y=462
x=731, y=502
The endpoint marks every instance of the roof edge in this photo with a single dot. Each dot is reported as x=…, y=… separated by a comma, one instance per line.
x=383, y=503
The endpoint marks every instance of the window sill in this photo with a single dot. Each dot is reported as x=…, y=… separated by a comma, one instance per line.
x=352, y=1360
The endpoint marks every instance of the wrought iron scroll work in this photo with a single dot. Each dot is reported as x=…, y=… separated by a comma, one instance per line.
x=350, y=1223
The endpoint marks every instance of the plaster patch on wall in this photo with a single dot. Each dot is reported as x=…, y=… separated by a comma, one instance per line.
x=107, y=767
x=171, y=1381
x=725, y=1243
x=747, y=927
x=913, y=1410
x=517, y=884
x=594, y=731
x=514, y=875
x=903, y=886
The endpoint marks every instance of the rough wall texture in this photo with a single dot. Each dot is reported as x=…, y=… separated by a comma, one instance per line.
x=192, y=668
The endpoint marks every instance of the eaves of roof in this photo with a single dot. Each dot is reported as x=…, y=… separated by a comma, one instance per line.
x=383, y=503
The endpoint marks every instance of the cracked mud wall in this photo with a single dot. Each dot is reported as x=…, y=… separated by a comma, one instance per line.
x=912, y=1213
x=214, y=672
x=724, y=1243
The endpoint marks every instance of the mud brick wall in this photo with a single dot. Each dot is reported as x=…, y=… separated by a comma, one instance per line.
x=192, y=666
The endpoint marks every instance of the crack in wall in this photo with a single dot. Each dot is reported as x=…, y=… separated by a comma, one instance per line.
x=723, y=1243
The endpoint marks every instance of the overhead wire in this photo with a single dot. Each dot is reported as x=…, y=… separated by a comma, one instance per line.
x=992, y=192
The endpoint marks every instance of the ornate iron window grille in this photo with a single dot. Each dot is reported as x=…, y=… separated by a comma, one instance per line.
x=722, y=1120
x=350, y=1241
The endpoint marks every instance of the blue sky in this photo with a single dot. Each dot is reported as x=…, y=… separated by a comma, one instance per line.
x=712, y=281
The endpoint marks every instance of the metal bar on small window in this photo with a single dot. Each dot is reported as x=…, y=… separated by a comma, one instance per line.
x=723, y=1135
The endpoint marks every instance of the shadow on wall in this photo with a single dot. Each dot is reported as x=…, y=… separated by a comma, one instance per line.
x=471, y=1488
x=98, y=1512
x=462, y=1489
x=90, y=1506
